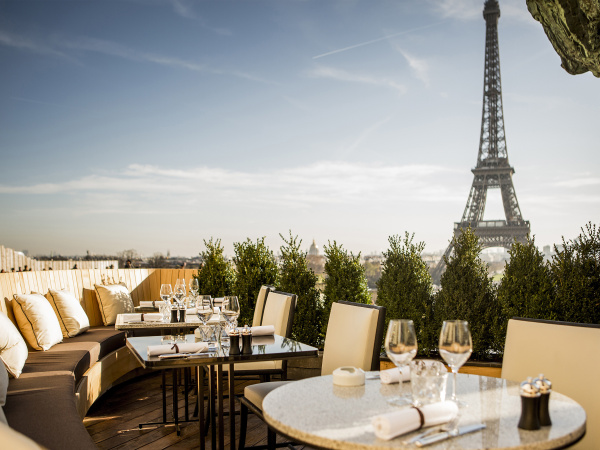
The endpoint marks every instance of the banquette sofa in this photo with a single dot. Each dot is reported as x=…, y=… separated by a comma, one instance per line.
x=43, y=401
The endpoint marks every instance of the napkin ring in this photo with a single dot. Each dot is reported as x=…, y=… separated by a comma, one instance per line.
x=421, y=416
x=176, y=347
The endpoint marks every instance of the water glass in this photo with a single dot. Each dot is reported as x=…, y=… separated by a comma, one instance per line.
x=428, y=382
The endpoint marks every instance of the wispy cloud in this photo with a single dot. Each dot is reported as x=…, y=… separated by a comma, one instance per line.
x=325, y=182
x=24, y=43
x=473, y=9
x=418, y=66
x=343, y=75
x=373, y=41
x=185, y=9
x=364, y=135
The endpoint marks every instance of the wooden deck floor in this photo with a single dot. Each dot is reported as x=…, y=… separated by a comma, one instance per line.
x=113, y=420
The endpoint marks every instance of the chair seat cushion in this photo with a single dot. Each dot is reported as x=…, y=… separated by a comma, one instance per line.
x=255, y=366
x=46, y=412
x=256, y=393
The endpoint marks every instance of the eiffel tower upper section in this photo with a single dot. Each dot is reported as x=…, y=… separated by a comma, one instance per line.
x=493, y=171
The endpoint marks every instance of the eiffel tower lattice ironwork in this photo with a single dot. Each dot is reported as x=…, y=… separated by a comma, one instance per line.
x=493, y=169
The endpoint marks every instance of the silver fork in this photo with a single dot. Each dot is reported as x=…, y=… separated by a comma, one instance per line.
x=450, y=426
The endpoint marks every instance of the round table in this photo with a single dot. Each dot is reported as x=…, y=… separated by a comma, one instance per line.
x=315, y=412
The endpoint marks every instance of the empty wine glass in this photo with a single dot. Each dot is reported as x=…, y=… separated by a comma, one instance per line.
x=194, y=287
x=204, y=308
x=179, y=292
x=455, y=347
x=231, y=311
x=401, y=348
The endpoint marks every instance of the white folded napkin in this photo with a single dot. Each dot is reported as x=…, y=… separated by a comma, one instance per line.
x=394, y=375
x=184, y=347
x=147, y=317
x=264, y=330
x=191, y=311
x=402, y=421
x=147, y=304
x=263, y=340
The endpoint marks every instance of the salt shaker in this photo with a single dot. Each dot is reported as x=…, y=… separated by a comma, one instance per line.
x=246, y=341
x=530, y=405
x=234, y=342
x=545, y=387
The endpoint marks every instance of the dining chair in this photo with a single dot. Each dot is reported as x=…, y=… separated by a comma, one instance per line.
x=278, y=310
x=354, y=337
x=567, y=354
x=259, y=308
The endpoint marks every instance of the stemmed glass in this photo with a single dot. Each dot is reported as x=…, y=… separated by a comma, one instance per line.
x=194, y=288
x=455, y=347
x=204, y=311
x=166, y=292
x=231, y=311
x=401, y=348
x=179, y=292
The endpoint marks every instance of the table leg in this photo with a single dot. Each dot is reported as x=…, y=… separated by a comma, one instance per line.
x=200, y=380
x=220, y=401
x=213, y=429
x=175, y=405
x=164, y=395
x=231, y=408
x=185, y=389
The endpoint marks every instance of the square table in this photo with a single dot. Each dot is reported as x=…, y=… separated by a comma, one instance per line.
x=276, y=348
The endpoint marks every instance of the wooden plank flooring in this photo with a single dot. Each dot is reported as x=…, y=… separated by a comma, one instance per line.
x=113, y=420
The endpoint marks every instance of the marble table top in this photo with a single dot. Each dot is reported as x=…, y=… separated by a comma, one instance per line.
x=316, y=412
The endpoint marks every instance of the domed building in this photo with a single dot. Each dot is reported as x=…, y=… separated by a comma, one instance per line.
x=314, y=249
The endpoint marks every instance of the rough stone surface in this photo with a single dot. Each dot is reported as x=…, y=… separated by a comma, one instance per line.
x=573, y=28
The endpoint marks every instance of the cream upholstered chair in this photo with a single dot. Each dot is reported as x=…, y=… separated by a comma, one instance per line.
x=354, y=337
x=278, y=310
x=260, y=304
x=567, y=354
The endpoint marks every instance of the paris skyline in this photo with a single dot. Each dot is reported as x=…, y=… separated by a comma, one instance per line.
x=154, y=125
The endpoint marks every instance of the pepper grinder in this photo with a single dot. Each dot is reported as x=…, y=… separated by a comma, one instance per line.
x=246, y=341
x=545, y=387
x=530, y=405
x=234, y=342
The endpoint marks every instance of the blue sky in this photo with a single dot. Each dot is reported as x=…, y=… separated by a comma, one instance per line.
x=155, y=124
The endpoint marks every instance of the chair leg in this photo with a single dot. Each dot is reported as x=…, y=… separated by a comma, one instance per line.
x=271, y=436
x=243, y=425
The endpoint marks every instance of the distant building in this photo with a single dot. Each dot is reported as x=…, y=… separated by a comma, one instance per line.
x=314, y=249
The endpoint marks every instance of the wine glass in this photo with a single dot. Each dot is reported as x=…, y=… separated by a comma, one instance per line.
x=204, y=308
x=231, y=311
x=179, y=292
x=401, y=348
x=455, y=348
x=194, y=288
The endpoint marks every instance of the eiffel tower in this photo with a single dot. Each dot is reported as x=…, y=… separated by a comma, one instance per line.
x=493, y=169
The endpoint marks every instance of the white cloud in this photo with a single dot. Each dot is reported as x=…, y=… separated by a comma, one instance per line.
x=418, y=66
x=343, y=75
x=23, y=43
x=325, y=182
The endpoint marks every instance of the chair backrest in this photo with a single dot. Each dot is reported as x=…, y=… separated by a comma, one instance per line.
x=567, y=354
x=279, y=312
x=259, y=308
x=354, y=336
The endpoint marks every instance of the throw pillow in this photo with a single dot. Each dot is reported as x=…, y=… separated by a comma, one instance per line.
x=13, y=439
x=37, y=321
x=113, y=299
x=13, y=349
x=72, y=318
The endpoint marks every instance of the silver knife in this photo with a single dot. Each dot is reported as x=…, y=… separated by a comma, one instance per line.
x=449, y=434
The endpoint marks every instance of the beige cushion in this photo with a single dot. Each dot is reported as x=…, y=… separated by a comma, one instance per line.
x=37, y=321
x=567, y=355
x=350, y=337
x=113, y=300
x=14, y=440
x=277, y=312
x=72, y=318
x=13, y=350
x=255, y=366
x=256, y=393
x=260, y=304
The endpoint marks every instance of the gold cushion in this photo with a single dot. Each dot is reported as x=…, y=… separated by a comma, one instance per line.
x=72, y=318
x=113, y=300
x=37, y=321
x=260, y=304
